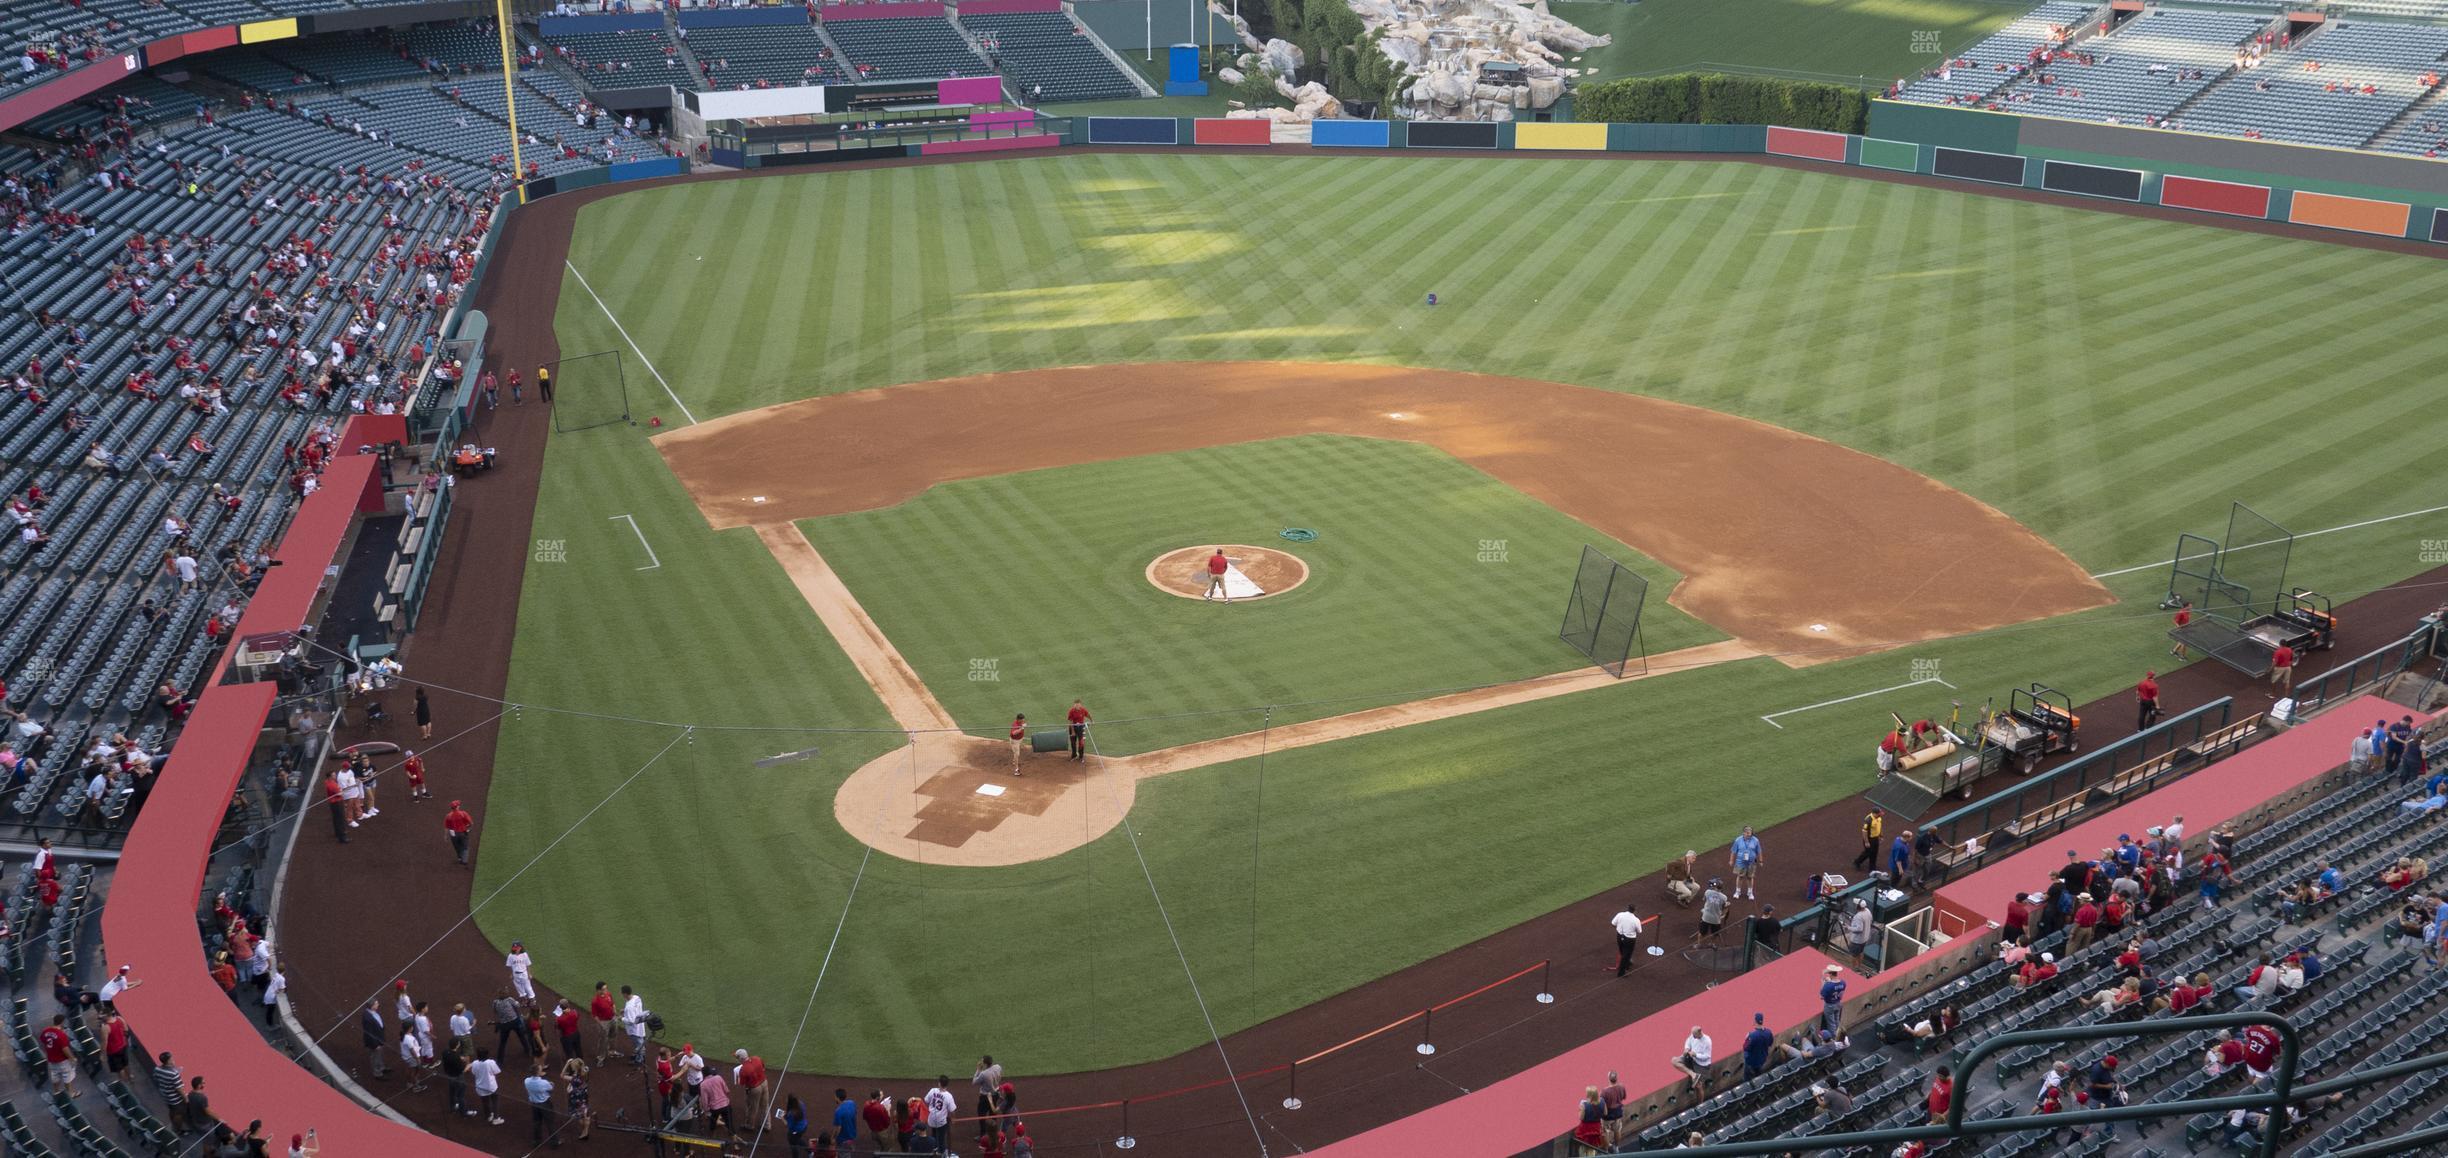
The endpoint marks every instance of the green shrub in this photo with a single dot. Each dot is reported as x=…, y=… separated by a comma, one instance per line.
x=1690, y=98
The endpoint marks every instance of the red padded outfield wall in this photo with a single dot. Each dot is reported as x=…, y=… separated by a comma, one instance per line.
x=2215, y=196
x=1232, y=131
x=1809, y=144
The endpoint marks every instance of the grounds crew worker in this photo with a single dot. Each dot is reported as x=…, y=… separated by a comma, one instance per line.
x=544, y=384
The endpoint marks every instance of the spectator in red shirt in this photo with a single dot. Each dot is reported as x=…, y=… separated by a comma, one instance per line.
x=1079, y=730
x=2036, y=972
x=456, y=824
x=2086, y=925
x=748, y=1079
x=878, y=1115
x=565, y=1021
x=606, y=1016
x=339, y=808
x=2018, y=919
x=59, y=1056
x=1942, y=1093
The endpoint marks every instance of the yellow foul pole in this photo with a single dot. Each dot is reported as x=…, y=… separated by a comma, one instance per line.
x=509, y=57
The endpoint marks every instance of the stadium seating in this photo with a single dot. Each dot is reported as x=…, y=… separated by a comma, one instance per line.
x=779, y=55
x=2287, y=98
x=349, y=59
x=919, y=48
x=2141, y=72
x=648, y=56
x=1988, y=66
x=255, y=69
x=2373, y=1003
x=464, y=46
x=1050, y=50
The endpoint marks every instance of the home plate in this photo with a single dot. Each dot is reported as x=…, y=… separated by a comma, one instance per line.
x=990, y=790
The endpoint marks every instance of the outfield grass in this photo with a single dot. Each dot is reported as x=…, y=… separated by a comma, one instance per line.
x=1399, y=598
x=1866, y=42
x=2108, y=380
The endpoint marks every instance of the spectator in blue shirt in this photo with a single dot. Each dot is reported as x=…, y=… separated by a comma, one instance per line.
x=845, y=1115
x=1831, y=999
x=2329, y=878
x=1899, y=855
x=1757, y=1046
x=1745, y=861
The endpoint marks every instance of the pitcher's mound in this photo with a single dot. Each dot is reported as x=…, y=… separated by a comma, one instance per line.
x=1250, y=572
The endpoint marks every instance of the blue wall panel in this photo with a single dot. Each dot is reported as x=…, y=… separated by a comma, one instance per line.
x=1134, y=131
x=1349, y=134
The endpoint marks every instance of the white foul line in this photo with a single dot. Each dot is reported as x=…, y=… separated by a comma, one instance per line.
x=650, y=555
x=1770, y=718
x=2305, y=535
x=633, y=346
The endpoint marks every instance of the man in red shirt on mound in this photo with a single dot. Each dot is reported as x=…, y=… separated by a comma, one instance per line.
x=1217, y=564
x=1079, y=730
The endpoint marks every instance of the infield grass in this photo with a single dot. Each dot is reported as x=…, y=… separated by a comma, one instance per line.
x=1021, y=592
x=2108, y=380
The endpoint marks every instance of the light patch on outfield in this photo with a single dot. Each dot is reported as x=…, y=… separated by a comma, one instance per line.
x=1168, y=246
x=1089, y=304
x=1916, y=274
x=1267, y=334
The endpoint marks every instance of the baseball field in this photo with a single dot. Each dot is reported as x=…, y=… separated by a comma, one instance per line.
x=924, y=430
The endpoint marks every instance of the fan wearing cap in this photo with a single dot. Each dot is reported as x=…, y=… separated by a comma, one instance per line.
x=1758, y=1047
x=1831, y=998
x=2017, y=926
x=119, y=983
x=1713, y=904
x=2104, y=1090
x=2037, y=972
x=456, y=823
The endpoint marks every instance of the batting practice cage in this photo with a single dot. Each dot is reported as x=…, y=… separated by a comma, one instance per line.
x=2235, y=586
x=1602, y=619
x=589, y=390
x=2236, y=579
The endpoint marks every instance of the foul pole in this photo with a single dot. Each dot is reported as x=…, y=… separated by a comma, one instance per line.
x=509, y=58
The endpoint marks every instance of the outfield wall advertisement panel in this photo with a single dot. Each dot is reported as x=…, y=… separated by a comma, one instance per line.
x=2354, y=214
x=1134, y=131
x=2229, y=197
x=2261, y=162
x=1451, y=135
x=1579, y=136
x=1901, y=156
x=2439, y=225
x=1230, y=131
x=1349, y=134
x=1973, y=165
x=1808, y=144
x=2091, y=180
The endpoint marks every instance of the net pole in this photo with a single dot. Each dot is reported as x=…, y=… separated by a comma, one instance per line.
x=502, y=29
